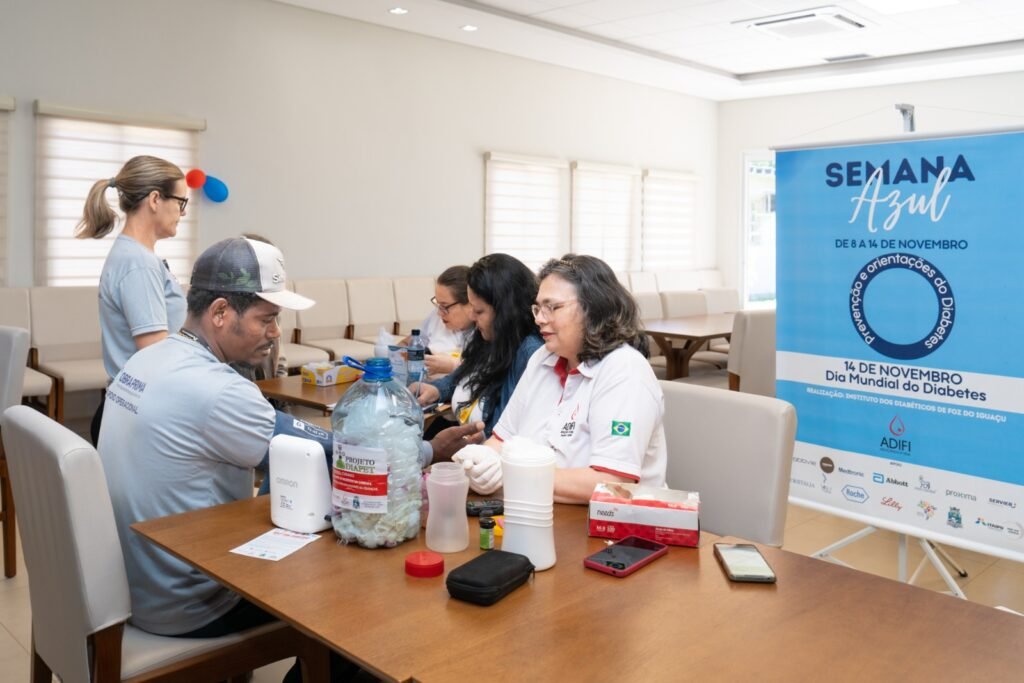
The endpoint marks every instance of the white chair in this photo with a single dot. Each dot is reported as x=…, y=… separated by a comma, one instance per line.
x=66, y=339
x=412, y=302
x=325, y=325
x=13, y=354
x=296, y=355
x=721, y=300
x=14, y=312
x=752, y=364
x=683, y=304
x=371, y=306
x=623, y=279
x=79, y=589
x=736, y=450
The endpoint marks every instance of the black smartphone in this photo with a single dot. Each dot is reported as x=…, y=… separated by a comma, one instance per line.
x=624, y=557
x=744, y=562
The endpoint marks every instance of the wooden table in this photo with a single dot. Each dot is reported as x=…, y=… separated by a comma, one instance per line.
x=678, y=618
x=293, y=390
x=693, y=330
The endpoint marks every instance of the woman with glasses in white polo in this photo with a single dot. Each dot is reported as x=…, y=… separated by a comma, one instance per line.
x=140, y=300
x=589, y=394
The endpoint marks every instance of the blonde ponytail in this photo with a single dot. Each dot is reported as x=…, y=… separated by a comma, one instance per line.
x=139, y=177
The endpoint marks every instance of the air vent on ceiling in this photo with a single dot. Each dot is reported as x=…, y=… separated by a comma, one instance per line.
x=848, y=58
x=809, y=23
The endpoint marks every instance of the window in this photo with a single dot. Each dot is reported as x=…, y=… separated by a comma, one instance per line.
x=525, y=208
x=759, y=229
x=74, y=149
x=6, y=106
x=669, y=221
x=606, y=214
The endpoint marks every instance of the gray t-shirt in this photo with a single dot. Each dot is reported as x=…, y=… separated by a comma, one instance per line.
x=181, y=431
x=138, y=294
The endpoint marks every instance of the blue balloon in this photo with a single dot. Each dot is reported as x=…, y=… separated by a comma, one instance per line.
x=215, y=189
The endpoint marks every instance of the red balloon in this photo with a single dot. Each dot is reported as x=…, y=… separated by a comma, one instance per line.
x=195, y=178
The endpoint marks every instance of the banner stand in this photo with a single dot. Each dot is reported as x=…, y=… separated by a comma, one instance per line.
x=931, y=554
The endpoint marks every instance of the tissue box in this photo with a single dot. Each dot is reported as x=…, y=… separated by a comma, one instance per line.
x=328, y=374
x=662, y=515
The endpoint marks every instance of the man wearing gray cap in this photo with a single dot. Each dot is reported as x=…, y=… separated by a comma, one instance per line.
x=182, y=431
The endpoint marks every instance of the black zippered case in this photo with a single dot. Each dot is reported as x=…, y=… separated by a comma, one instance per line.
x=489, y=577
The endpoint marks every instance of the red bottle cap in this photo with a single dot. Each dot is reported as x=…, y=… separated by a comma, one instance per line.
x=424, y=564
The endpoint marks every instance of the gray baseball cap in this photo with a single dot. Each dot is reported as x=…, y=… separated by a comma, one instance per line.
x=247, y=266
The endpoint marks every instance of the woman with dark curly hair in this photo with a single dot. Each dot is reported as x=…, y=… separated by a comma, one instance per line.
x=500, y=290
x=590, y=393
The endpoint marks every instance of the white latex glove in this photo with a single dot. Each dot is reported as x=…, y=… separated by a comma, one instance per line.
x=483, y=467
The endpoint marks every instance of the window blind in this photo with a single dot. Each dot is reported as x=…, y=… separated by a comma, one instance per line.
x=5, y=107
x=525, y=208
x=606, y=214
x=74, y=152
x=669, y=221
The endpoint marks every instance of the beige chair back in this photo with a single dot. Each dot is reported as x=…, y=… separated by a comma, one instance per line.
x=13, y=354
x=14, y=307
x=736, y=450
x=721, y=300
x=65, y=323
x=371, y=306
x=680, y=304
x=328, y=319
x=649, y=304
x=752, y=352
x=623, y=279
x=412, y=301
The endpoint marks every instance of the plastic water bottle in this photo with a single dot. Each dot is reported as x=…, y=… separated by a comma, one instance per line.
x=376, y=480
x=415, y=364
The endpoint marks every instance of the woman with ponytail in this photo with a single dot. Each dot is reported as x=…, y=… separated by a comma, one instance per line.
x=140, y=301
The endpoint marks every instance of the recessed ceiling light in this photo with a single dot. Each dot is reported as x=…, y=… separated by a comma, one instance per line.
x=469, y=27
x=398, y=10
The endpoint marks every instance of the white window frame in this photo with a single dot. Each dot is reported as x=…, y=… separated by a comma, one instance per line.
x=606, y=214
x=670, y=210
x=6, y=107
x=526, y=207
x=73, y=151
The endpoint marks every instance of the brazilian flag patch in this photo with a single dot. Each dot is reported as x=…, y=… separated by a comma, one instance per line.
x=621, y=428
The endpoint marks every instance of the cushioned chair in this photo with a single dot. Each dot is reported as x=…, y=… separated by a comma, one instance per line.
x=15, y=312
x=412, y=302
x=326, y=325
x=683, y=304
x=736, y=450
x=371, y=306
x=752, y=364
x=296, y=355
x=79, y=590
x=13, y=354
x=721, y=300
x=66, y=339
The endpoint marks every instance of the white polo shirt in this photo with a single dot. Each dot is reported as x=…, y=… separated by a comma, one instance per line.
x=605, y=415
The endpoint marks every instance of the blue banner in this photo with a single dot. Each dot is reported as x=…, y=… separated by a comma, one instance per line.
x=899, y=291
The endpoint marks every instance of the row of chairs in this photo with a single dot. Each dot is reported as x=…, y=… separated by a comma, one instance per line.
x=65, y=353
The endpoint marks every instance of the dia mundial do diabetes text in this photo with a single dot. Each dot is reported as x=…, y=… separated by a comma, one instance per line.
x=904, y=378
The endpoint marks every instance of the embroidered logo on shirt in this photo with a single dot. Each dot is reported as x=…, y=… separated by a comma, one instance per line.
x=568, y=428
x=621, y=428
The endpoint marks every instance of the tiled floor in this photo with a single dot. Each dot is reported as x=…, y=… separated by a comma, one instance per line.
x=990, y=581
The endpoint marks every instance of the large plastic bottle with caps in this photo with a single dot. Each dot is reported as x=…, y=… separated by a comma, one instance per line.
x=378, y=428
x=415, y=358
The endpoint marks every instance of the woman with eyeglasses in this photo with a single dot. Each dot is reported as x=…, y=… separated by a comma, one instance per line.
x=140, y=301
x=449, y=326
x=589, y=394
x=500, y=290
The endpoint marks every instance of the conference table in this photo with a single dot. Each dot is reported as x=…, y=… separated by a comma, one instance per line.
x=693, y=331
x=677, y=619
x=292, y=389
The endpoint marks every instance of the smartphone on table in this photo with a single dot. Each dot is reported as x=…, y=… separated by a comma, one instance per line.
x=625, y=556
x=744, y=562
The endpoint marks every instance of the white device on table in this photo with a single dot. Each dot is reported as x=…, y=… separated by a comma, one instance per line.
x=300, y=485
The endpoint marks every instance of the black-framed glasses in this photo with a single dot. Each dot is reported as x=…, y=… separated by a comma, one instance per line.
x=443, y=308
x=182, y=202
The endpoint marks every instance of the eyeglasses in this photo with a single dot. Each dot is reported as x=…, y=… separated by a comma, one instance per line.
x=549, y=308
x=182, y=202
x=443, y=308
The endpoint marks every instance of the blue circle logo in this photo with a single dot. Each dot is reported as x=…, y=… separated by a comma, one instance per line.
x=938, y=333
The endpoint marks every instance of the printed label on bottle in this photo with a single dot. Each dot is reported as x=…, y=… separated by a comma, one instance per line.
x=360, y=478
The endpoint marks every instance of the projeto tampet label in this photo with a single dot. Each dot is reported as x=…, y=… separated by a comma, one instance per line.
x=360, y=478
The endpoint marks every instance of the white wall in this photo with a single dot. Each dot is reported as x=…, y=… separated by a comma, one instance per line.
x=358, y=149
x=946, y=105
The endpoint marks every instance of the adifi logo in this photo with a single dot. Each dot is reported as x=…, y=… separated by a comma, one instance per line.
x=893, y=442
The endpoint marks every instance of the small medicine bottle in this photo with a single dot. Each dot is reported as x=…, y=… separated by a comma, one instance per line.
x=486, y=532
